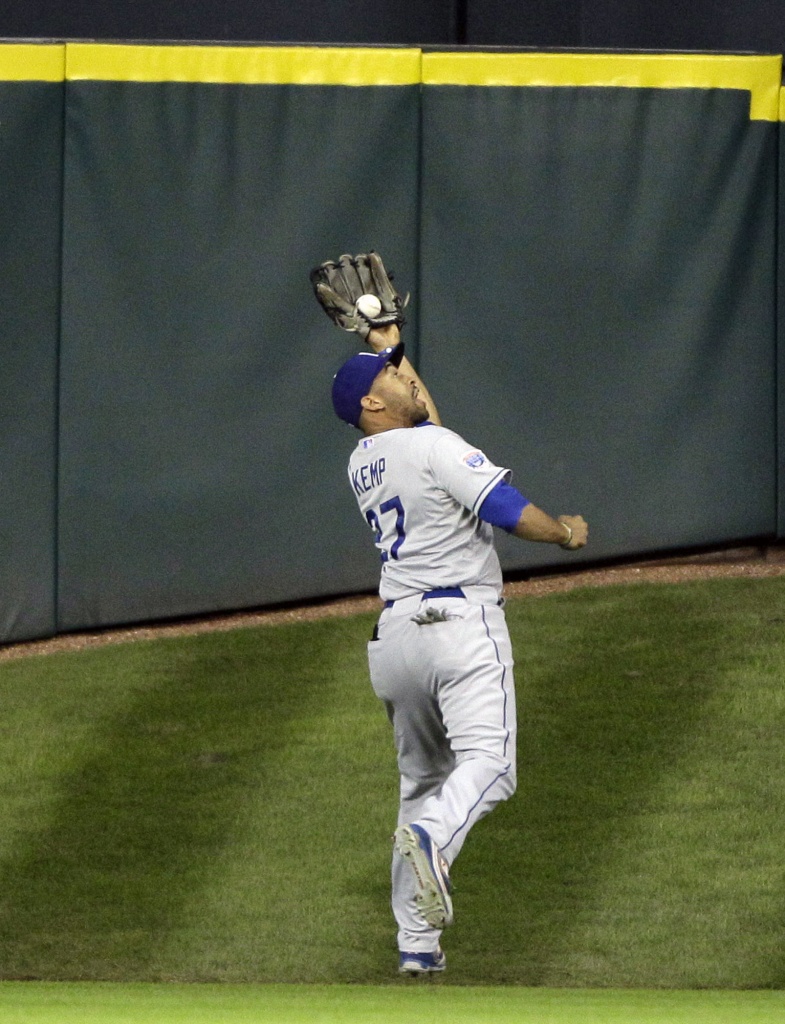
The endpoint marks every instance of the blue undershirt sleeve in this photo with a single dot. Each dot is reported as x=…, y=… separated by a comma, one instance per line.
x=503, y=506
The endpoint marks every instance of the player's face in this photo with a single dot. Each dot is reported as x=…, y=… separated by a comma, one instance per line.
x=400, y=395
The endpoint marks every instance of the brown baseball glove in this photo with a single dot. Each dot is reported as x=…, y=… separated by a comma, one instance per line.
x=339, y=286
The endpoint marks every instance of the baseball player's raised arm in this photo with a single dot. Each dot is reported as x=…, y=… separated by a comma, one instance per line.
x=384, y=337
x=570, y=532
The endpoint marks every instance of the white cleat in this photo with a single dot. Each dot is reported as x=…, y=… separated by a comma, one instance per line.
x=419, y=964
x=431, y=874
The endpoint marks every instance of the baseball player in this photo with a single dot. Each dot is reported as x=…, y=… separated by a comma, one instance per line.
x=440, y=658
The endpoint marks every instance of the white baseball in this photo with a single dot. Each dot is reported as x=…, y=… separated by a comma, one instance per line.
x=369, y=306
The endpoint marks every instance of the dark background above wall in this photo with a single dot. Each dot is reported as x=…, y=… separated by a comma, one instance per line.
x=756, y=25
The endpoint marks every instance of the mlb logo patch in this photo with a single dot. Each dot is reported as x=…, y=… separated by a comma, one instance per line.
x=366, y=443
x=474, y=460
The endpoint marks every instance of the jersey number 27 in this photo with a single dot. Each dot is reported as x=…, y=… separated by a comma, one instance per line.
x=374, y=521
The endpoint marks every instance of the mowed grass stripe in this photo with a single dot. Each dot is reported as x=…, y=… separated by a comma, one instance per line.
x=218, y=807
x=99, y=1003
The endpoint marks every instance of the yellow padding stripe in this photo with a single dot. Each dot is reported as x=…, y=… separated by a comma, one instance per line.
x=32, y=62
x=308, y=65
x=252, y=65
x=758, y=75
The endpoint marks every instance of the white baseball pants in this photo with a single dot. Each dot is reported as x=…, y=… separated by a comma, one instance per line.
x=449, y=693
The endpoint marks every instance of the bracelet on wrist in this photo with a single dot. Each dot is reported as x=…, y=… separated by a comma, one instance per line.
x=568, y=539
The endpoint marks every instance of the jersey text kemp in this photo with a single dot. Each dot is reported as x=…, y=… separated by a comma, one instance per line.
x=366, y=477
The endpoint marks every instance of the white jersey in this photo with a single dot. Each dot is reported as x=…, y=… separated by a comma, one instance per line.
x=420, y=489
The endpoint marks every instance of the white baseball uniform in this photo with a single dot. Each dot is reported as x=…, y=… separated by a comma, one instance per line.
x=441, y=659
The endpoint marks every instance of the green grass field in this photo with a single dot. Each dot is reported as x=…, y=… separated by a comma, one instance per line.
x=217, y=808
x=101, y=1003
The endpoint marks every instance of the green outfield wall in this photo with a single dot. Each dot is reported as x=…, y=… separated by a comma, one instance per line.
x=621, y=254
x=31, y=144
x=200, y=468
x=780, y=360
x=590, y=240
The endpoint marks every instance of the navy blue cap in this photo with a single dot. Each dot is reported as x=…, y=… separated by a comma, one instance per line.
x=354, y=379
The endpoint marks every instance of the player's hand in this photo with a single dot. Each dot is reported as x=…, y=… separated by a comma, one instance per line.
x=580, y=532
x=381, y=338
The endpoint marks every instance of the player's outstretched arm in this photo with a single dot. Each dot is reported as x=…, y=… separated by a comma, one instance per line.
x=384, y=337
x=570, y=532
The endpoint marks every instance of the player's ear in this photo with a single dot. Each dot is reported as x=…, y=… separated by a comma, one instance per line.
x=371, y=403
